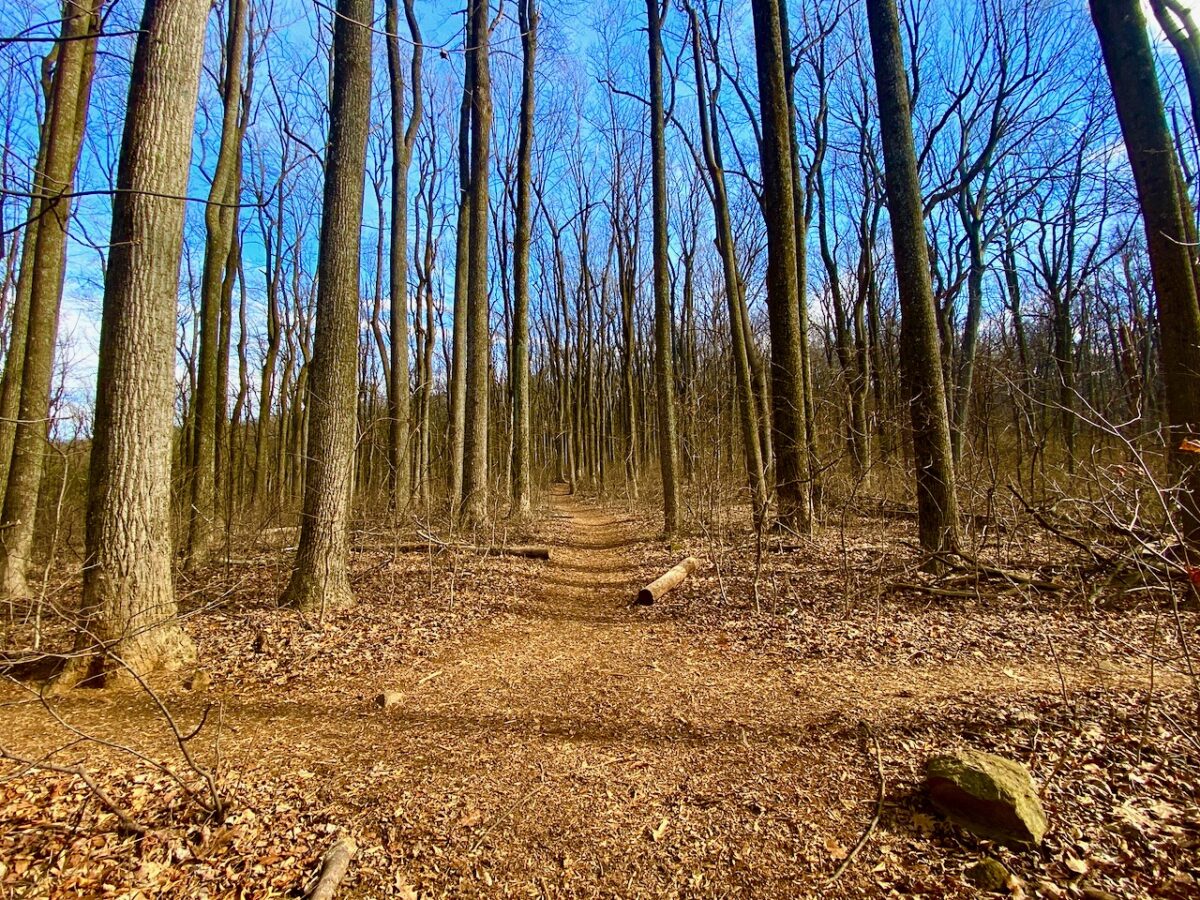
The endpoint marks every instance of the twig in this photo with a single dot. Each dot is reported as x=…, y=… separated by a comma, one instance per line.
x=78, y=771
x=870, y=829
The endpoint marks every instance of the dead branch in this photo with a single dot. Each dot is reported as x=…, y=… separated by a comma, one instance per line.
x=866, y=835
x=334, y=866
x=527, y=551
x=127, y=823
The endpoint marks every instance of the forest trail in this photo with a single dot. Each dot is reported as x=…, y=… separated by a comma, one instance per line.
x=587, y=747
x=571, y=744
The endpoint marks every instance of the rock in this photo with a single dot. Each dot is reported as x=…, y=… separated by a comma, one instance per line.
x=388, y=698
x=988, y=795
x=988, y=874
x=198, y=680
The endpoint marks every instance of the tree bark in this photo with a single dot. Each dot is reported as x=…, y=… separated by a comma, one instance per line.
x=479, y=344
x=319, y=581
x=937, y=504
x=403, y=139
x=462, y=253
x=1170, y=235
x=743, y=377
x=792, y=475
x=527, y=18
x=128, y=611
x=664, y=361
x=70, y=93
x=219, y=223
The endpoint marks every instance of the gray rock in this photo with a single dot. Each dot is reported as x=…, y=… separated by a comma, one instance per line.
x=988, y=795
x=988, y=874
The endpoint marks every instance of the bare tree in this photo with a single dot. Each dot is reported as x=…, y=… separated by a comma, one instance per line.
x=46, y=244
x=220, y=222
x=664, y=358
x=527, y=20
x=403, y=138
x=1170, y=230
x=792, y=474
x=128, y=609
x=937, y=504
x=479, y=343
x=319, y=580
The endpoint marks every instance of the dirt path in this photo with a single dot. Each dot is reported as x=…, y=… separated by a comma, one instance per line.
x=580, y=749
x=577, y=746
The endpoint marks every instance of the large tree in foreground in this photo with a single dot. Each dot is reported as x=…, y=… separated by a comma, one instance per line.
x=792, y=477
x=128, y=613
x=319, y=580
x=1170, y=234
x=664, y=358
x=920, y=359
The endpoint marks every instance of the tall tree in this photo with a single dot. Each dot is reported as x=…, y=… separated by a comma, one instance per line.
x=706, y=100
x=128, y=608
x=479, y=343
x=1170, y=231
x=792, y=475
x=462, y=252
x=220, y=225
x=403, y=138
x=920, y=355
x=527, y=20
x=319, y=580
x=46, y=243
x=664, y=358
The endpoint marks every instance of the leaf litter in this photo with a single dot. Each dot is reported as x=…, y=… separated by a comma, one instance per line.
x=551, y=740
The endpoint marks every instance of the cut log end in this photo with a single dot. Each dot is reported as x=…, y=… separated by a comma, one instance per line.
x=670, y=580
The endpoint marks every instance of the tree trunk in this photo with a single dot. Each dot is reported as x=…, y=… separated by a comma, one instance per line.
x=128, y=607
x=792, y=475
x=743, y=377
x=937, y=504
x=1170, y=234
x=319, y=580
x=403, y=139
x=479, y=344
x=67, y=115
x=219, y=224
x=664, y=362
x=527, y=16
x=462, y=251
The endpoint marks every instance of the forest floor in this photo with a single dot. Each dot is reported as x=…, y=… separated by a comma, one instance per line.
x=550, y=739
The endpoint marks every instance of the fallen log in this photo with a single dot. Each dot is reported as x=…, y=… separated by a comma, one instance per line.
x=333, y=869
x=668, y=581
x=527, y=551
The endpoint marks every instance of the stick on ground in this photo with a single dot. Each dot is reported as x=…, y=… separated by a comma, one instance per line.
x=866, y=835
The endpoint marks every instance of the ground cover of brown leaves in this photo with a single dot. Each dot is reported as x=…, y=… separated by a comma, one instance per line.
x=552, y=740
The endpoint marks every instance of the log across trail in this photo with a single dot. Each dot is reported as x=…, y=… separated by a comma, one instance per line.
x=668, y=581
